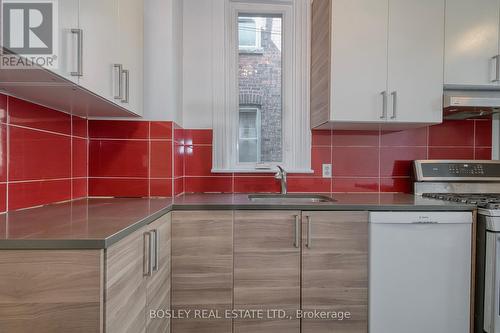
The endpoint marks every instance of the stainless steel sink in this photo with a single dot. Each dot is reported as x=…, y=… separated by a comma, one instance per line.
x=293, y=198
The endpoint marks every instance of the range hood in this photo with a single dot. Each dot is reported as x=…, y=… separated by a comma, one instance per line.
x=466, y=104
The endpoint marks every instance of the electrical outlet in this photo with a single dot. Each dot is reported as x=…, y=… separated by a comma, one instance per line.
x=327, y=171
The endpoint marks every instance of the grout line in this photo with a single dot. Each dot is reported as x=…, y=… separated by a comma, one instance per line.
x=7, y=157
x=149, y=159
x=71, y=157
x=40, y=130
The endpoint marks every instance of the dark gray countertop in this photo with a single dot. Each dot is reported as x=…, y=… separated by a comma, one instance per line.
x=97, y=223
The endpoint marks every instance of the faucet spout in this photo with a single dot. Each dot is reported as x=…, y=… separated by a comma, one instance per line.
x=281, y=175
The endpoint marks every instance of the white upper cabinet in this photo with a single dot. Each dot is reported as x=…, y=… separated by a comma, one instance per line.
x=359, y=59
x=385, y=63
x=472, y=42
x=416, y=51
x=99, y=27
x=67, y=22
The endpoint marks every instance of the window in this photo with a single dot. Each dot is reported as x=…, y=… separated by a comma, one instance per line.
x=261, y=87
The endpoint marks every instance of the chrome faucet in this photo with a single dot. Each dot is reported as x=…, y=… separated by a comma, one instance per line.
x=281, y=175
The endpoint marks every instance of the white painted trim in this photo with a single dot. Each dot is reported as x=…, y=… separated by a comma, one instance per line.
x=296, y=59
x=495, y=144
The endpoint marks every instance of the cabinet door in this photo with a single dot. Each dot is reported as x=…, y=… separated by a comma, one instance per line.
x=267, y=269
x=125, y=285
x=335, y=270
x=158, y=284
x=471, y=42
x=416, y=51
x=130, y=34
x=99, y=23
x=359, y=59
x=68, y=20
x=202, y=268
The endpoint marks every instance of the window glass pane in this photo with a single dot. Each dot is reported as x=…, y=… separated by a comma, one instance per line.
x=260, y=92
x=247, y=32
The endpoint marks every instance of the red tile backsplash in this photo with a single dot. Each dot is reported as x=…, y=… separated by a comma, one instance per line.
x=118, y=129
x=455, y=133
x=118, y=158
x=29, y=194
x=355, y=161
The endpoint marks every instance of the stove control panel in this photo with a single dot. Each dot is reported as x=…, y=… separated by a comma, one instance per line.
x=432, y=170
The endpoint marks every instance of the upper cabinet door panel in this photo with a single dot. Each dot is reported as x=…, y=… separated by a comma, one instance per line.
x=416, y=54
x=99, y=24
x=68, y=20
x=359, y=59
x=471, y=41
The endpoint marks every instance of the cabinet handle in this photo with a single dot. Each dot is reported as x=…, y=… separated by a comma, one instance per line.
x=384, y=105
x=156, y=265
x=394, y=95
x=119, y=69
x=79, y=52
x=127, y=85
x=309, y=231
x=496, y=59
x=147, y=255
x=297, y=231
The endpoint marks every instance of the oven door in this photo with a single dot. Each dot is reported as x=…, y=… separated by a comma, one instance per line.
x=492, y=284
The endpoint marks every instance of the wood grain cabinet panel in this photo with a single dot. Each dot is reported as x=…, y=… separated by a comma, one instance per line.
x=335, y=269
x=202, y=268
x=267, y=268
x=51, y=291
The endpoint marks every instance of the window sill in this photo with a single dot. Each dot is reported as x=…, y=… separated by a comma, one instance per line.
x=271, y=170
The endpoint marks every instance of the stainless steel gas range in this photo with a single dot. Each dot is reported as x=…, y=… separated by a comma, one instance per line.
x=476, y=183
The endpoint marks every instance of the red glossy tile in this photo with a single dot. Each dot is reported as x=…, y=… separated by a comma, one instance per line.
x=451, y=153
x=160, y=187
x=321, y=138
x=29, y=194
x=80, y=160
x=161, y=159
x=483, y=133
x=38, y=155
x=397, y=161
x=255, y=184
x=79, y=127
x=27, y=114
x=198, y=161
x=208, y=184
x=3, y=108
x=3, y=152
x=118, y=158
x=179, y=186
x=309, y=185
x=114, y=187
x=118, y=129
x=452, y=133
x=355, y=138
x=482, y=154
x=355, y=161
x=401, y=185
x=178, y=160
x=198, y=136
x=409, y=137
x=355, y=185
x=79, y=187
x=3, y=197
x=161, y=130
x=320, y=156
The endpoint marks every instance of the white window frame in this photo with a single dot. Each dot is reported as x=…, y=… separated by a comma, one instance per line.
x=296, y=133
x=258, y=38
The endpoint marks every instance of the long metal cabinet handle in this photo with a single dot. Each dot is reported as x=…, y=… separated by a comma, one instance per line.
x=384, y=104
x=394, y=95
x=309, y=230
x=147, y=255
x=79, y=59
x=119, y=69
x=156, y=265
x=297, y=231
x=497, y=68
x=127, y=85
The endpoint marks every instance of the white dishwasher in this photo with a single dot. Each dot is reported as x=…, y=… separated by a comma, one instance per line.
x=420, y=272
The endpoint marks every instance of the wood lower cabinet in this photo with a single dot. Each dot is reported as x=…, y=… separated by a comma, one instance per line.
x=335, y=269
x=50, y=291
x=202, y=268
x=267, y=269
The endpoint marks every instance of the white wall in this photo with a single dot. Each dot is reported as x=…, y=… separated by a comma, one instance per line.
x=197, y=63
x=163, y=60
